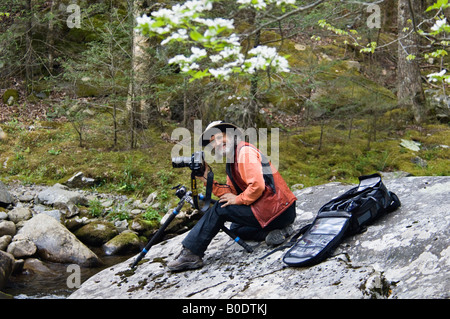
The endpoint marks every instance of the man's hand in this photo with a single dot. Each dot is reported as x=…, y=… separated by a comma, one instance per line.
x=203, y=178
x=227, y=199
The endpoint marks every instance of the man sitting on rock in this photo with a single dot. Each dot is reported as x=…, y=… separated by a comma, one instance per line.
x=255, y=198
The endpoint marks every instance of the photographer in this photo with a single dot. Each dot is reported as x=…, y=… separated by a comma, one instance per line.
x=255, y=198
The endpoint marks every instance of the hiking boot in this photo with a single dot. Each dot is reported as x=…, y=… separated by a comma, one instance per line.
x=278, y=236
x=185, y=260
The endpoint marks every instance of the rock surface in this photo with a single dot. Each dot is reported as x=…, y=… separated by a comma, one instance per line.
x=402, y=255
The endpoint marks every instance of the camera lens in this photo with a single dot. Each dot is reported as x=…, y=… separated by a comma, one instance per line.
x=181, y=161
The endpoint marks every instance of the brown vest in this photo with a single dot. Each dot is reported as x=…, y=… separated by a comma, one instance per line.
x=272, y=202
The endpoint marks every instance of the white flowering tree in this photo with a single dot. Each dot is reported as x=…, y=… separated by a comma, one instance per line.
x=439, y=33
x=215, y=49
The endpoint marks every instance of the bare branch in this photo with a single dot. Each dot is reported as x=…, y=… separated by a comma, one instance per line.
x=284, y=16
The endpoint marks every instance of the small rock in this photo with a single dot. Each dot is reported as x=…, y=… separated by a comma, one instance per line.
x=68, y=209
x=419, y=161
x=60, y=194
x=121, y=225
x=151, y=198
x=80, y=181
x=22, y=248
x=136, y=203
x=3, y=216
x=125, y=242
x=143, y=226
x=18, y=214
x=96, y=233
x=10, y=96
x=7, y=228
x=36, y=266
x=107, y=203
x=5, y=241
x=38, y=208
x=26, y=198
x=5, y=197
x=73, y=224
x=6, y=267
x=144, y=206
x=156, y=205
x=136, y=212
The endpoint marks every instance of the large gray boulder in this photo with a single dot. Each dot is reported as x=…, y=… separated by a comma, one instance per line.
x=60, y=194
x=402, y=255
x=55, y=242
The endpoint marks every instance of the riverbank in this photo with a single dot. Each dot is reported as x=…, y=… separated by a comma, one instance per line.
x=30, y=285
x=46, y=229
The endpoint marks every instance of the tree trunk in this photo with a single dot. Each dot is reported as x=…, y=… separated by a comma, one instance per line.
x=185, y=102
x=136, y=103
x=410, y=92
x=29, y=47
x=51, y=39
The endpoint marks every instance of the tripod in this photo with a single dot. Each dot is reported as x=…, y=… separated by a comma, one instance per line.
x=184, y=197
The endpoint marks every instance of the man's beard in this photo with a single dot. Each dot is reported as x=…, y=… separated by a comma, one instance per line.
x=221, y=151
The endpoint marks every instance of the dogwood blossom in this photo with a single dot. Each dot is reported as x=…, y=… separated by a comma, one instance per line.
x=144, y=20
x=221, y=73
x=185, y=22
x=438, y=24
x=261, y=4
x=265, y=57
x=181, y=34
x=215, y=58
x=434, y=77
x=216, y=23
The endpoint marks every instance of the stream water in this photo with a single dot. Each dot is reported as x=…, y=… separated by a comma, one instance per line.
x=54, y=285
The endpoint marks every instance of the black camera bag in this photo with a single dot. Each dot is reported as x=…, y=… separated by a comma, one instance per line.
x=345, y=215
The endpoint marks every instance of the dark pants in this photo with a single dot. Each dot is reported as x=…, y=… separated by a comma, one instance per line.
x=244, y=225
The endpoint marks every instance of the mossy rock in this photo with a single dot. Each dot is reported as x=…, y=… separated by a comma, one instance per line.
x=83, y=89
x=96, y=233
x=144, y=227
x=10, y=96
x=126, y=242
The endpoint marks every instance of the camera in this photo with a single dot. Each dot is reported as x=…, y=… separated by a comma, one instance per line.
x=196, y=163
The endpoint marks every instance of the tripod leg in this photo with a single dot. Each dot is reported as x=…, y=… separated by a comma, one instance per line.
x=237, y=239
x=159, y=233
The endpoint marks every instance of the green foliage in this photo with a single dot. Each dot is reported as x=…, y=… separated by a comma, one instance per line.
x=152, y=214
x=118, y=213
x=438, y=5
x=95, y=208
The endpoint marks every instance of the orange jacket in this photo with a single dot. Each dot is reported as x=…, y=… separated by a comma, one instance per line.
x=247, y=173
